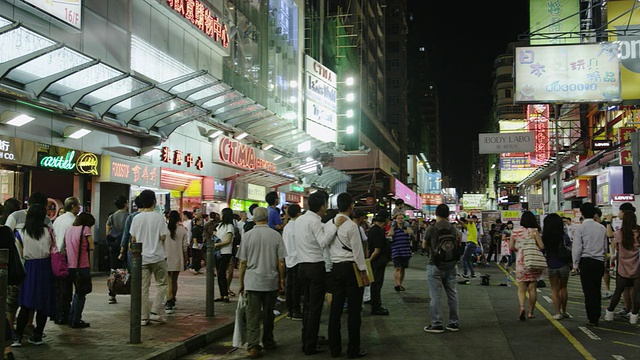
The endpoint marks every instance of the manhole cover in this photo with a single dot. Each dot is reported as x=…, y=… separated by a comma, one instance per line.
x=415, y=299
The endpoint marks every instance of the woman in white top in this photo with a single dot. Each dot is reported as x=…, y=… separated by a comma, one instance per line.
x=175, y=247
x=224, y=232
x=37, y=294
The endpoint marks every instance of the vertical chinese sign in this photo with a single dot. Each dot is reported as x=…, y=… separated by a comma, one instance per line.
x=624, y=135
x=538, y=122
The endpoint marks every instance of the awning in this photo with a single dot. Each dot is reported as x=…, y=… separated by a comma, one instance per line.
x=264, y=178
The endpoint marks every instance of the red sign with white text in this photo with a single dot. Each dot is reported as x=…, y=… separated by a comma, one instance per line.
x=235, y=153
x=201, y=17
x=623, y=197
x=431, y=199
x=538, y=118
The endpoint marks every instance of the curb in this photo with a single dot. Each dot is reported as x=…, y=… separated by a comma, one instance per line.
x=192, y=344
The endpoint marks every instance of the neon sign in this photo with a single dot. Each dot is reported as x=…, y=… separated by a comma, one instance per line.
x=240, y=155
x=86, y=163
x=59, y=162
x=177, y=157
x=200, y=16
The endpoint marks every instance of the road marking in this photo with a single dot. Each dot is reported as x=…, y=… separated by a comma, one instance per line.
x=618, y=357
x=626, y=344
x=538, y=290
x=589, y=333
x=618, y=331
x=548, y=299
x=576, y=344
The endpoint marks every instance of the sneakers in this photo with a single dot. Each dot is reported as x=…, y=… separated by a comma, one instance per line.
x=295, y=316
x=17, y=339
x=80, y=325
x=169, y=309
x=623, y=313
x=557, y=317
x=36, y=339
x=608, y=315
x=453, y=327
x=435, y=329
x=465, y=276
x=473, y=276
x=159, y=318
x=633, y=319
x=144, y=322
x=112, y=300
x=608, y=294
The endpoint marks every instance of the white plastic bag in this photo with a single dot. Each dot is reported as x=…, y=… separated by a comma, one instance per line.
x=240, y=328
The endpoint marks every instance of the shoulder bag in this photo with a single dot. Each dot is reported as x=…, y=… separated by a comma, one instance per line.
x=533, y=257
x=82, y=282
x=17, y=272
x=59, y=263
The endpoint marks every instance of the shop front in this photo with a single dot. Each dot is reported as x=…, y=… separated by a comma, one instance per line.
x=244, y=195
x=216, y=201
x=183, y=180
x=16, y=157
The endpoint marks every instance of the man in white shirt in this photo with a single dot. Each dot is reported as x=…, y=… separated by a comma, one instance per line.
x=17, y=218
x=150, y=229
x=346, y=250
x=314, y=237
x=64, y=286
x=293, y=288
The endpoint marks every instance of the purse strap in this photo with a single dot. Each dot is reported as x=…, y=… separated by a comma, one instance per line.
x=80, y=246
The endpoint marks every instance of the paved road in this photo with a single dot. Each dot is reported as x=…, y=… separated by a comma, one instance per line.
x=489, y=328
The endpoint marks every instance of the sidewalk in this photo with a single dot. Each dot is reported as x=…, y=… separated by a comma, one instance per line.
x=108, y=337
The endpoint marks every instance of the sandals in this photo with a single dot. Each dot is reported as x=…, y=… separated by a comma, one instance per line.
x=522, y=317
x=530, y=316
x=231, y=293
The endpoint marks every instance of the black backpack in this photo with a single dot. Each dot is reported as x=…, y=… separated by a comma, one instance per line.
x=236, y=240
x=446, y=253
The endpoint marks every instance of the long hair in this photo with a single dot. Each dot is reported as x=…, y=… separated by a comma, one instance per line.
x=227, y=216
x=174, y=219
x=627, y=228
x=34, y=224
x=552, y=233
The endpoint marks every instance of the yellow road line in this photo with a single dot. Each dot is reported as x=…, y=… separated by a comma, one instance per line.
x=626, y=344
x=618, y=331
x=576, y=344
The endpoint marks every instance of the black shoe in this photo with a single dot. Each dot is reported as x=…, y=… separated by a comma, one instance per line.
x=322, y=340
x=362, y=353
x=80, y=325
x=592, y=324
x=380, y=311
x=337, y=355
x=315, y=350
x=397, y=288
x=367, y=302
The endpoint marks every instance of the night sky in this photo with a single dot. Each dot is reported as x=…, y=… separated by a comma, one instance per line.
x=462, y=40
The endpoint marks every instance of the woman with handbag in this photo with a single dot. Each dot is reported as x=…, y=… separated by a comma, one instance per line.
x=78, y=240
x=558, y=261
x=527, y=279
x=175, y=247
x=37, y=293
x=627, y=244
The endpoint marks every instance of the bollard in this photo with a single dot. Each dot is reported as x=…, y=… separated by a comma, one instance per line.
x=4, y=274
x=211, y=281
x=136, y=293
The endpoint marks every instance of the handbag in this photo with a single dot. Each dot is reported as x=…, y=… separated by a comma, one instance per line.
x=59, y=263
x=82, y=282
x=533, y=257
x=17, y=272
x=118, y=282
x=564, y=254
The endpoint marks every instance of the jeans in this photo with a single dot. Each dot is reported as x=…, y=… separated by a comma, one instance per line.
x=79, y=299
x=493, y=251
x=437, y=279
x=260, y=305
x=467, y=257
x=159, y=271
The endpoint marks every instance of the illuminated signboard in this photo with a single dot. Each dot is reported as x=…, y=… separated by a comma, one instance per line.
x=17, y=151
x=403, y=192
x=567, y=73
x=133, y=173
x=53, y=157
x=177, y=157
x=297, y=188
x=256, y=192
x=202, y=18
x=431, y=199
x=538, y=117
x=624, y=135
x=232, y=152
x=219, y=190
x=293, y=198
x=600, y=144
x=321, y=101
x=623, y=23
x=69, y=11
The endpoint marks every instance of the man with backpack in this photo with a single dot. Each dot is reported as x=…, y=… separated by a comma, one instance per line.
x=443, y=242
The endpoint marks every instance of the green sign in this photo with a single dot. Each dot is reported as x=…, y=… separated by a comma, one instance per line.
x=297, y=188
x=243, y=205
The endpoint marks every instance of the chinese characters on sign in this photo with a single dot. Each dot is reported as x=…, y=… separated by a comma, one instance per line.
x=177, y=157
x=538, y=116
x=134, y=173
x=201, y=17
x=624, y=135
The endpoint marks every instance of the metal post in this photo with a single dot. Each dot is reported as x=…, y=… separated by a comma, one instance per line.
x=4, y=274
x=211, y=281
x=136, y=293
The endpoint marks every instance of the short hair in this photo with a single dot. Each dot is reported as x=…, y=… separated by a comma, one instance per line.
x=588, y=210
x=137, y=202
x=84, y=219
x=509, y=222
x=252, y=207
x=120, y=201
x=528, y=220
x=316, y=201
x=442, y=211
x=147, y=198
x=399, y=202
x=70, y=202
x=294, y=210
x=381, y=216
x=37, y=198
x=345, y=200
x=627, y=207
x=598, y=211
x=271, y=198
x=260, y=214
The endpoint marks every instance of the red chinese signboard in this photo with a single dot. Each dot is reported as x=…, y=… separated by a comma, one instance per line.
x=538, y=118
x=431, y=199
x=241, y=155
x=177, y=157
x=624, y=134
x=201, y=17
x=293, y=198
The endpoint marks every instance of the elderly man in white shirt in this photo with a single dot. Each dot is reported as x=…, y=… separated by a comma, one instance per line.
x=314, y=236
x=588, y=251
x=346, y=250
x=64, y=287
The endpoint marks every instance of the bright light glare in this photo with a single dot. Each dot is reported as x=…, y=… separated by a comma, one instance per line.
x=20, y=120
x=350, y=129
x=79, y=133
x=305, y=146
x=349, y=81
x=350, y=97
x=349, y=113
x=293, y=84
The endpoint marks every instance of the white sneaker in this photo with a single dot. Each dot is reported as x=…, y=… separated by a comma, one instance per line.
x=623, y=313
x=566, y=315
x=557, y=317
x=608, y=316
x=144, y=322
x=159, y=318
x=633, y=319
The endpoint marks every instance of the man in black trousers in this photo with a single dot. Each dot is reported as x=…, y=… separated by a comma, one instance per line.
x=588, y=251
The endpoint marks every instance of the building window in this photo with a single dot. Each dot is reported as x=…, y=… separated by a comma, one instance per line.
x=393, y=46
x=394, y=83
x=393, y=29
